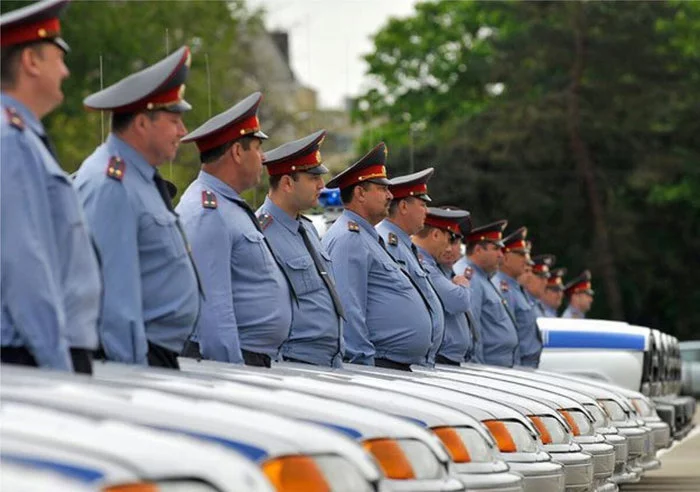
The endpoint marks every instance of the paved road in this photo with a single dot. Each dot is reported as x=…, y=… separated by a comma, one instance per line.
x=680, y=467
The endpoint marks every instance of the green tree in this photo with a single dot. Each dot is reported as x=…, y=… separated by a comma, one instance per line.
x=574, y=118
x=110, y=39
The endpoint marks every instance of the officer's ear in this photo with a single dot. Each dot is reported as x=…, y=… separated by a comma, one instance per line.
x=286, y=183
x=29, y=58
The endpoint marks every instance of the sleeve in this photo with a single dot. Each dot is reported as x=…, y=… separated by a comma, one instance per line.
x=455, y=298
x=31, y=288
x=217, y=328
x=351, y=269
x=114, y=226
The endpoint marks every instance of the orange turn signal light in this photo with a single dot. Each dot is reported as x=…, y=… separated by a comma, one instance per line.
x=541, y=428
x=133, y=487
x=454, y=444
x=294, y=473
x=570, y=420
x=501, y=434
x=391, y=458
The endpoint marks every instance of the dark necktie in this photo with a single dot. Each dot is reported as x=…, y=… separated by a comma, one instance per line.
x=320, y=268
x=163, y=190
x=408, y=276
x=49, y=145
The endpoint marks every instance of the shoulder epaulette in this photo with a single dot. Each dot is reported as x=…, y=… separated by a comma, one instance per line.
x=353, y=226
x=116, y=168
x=209, y=199
x=393, y=239
x=264, y=219
x=14, y=118
x=301, y=216
x=504, y=286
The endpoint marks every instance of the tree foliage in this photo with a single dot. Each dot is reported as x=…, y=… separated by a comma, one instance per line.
x=112, y=38
x=541, y=111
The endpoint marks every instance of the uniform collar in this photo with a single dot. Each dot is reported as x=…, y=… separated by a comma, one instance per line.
x=509, y=279
x=281, y=216
x=131, y=155
x=213, y=183
x=362, y=222
x=427, y=256
x=27, y=116
x=478, y=269
x=403, y=237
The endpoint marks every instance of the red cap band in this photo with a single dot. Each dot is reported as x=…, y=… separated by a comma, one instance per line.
x=494, y=236
x=520, y=244
x=295, y=164
x=237, y=130
x=442, y=223
x=403, y=191
x=364, y=174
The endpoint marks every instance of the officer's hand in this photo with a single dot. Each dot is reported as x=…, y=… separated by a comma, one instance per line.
x=461, y=280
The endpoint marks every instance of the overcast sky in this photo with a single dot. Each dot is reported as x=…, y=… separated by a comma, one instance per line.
x=328, y=39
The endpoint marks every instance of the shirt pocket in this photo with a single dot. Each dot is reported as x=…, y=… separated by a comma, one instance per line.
x=394, y=276
x=159, y=235
x=65, y=209
x=303, y=275
x=256, y=251
x=496, y=307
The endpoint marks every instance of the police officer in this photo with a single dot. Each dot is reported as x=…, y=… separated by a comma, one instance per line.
x=498, y=337
x=247, y=312
x=580, y=295
x=437, y=238
x=535, y=282
x=50, y=275
x=515, y=259
x=296, y=180
x=407, y=213
x=388, y=323
x=553, y=293
x=151, y=296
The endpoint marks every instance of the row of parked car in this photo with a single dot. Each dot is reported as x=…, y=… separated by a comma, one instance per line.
x=296, y=427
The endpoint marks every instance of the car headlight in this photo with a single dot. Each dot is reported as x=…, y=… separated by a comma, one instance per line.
x=341, y=474
x=511, y=436
x=614, y=409
x=600, y=418
x=550, y=429
x=133, y=487
x=479, y=448
x=294, y=473
x=424, y=462
x=577, y=420
x=454, y=444
x=642, y=407
x=391, y=458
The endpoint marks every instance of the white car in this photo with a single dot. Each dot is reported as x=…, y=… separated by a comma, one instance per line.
x=540, y=472
x=116, y=453
x=274, y=443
